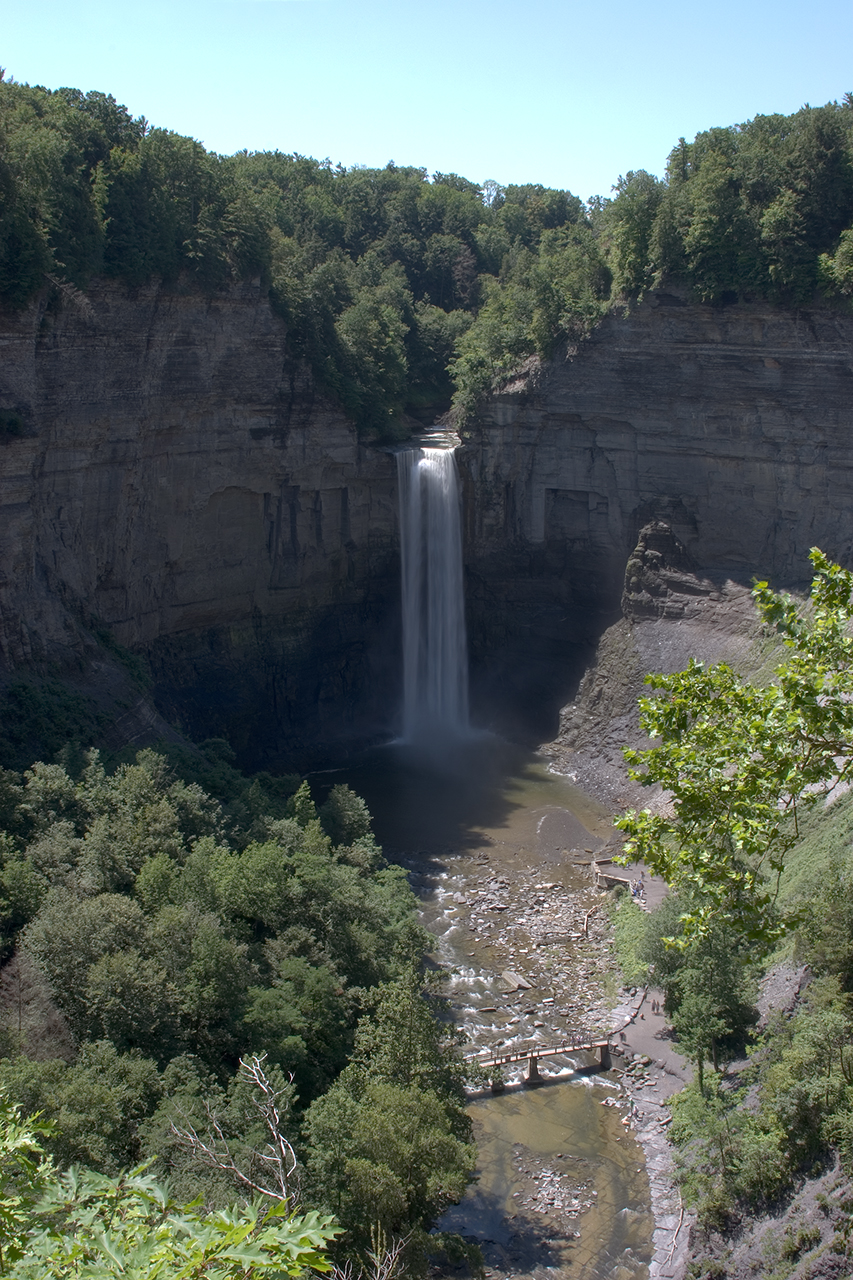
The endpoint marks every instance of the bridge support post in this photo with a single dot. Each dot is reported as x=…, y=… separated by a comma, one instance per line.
x=533, y=1077
x=606, y=1060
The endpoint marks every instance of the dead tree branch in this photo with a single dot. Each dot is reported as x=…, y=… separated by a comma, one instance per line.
x=384, y=1261
x=277, y=1159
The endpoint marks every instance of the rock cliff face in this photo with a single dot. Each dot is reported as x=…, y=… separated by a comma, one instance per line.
x=670, y=614
x=733, y=425
x=176, y=481
x=171, y=476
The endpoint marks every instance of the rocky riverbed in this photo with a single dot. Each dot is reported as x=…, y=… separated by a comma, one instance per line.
x=572, y=1175
x=549, y=943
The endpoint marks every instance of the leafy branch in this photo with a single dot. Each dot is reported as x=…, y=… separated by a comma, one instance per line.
x=738, y=763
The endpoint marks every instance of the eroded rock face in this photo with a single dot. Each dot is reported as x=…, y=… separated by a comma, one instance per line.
x=660, y=577
x=732, y=425
x=179, y=483
x=671, y=612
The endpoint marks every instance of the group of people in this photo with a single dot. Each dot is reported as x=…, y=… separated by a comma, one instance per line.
x=638, y=888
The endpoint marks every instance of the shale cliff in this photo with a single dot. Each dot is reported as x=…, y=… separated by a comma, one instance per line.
x=173, y=481
x=172, y=478
x=670, y=613
x=732, y=424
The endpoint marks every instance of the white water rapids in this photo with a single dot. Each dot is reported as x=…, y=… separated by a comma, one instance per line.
x=435, y=654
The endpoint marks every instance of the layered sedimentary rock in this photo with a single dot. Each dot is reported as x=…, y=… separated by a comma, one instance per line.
x=671, y=612
x=172, y=481
x=734, y=425
x=172, y=478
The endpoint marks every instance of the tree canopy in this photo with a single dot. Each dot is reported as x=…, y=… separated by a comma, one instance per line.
x=78, y=1222
x=752, y=832
x=160, y=935
x=402, y=290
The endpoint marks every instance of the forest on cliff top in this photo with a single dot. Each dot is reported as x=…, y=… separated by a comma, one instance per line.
x=405, y=290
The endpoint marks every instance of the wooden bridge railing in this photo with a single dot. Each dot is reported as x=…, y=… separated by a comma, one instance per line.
x=532, y=1054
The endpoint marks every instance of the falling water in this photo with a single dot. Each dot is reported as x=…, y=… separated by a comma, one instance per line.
x=435, y=656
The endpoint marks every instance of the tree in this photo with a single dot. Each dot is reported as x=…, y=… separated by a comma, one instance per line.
x=271, y=1169
x=345, y=817
x=83, y=1223
x=389, y=1144
x=741, y=762
x=709, y=985
x=628, y=222
x=96, y=1103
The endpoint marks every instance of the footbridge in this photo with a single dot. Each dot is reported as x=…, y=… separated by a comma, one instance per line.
x=533, y=1052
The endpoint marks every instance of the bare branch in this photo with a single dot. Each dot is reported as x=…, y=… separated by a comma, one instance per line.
x=71, y=294
x=278, y=1156
x=384, y=1261
x=278, y=1160
x=385, y=1258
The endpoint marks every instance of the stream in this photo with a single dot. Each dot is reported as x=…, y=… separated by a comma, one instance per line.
x=491, y=841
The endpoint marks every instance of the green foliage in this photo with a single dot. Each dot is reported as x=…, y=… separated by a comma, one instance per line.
x=97, y=1102
x=836, y=269
x=390, y=1141
x=727, y=1153
x=800, y=1088
x=761, y=209
x=709, y=987
x=556, y=292
x=630, y=928
x=751, y=856
x=377, y=272
x=173, y=934
x=742, y=763
x=403, y=291
x=344, y=816
x=42, y=716
x=627, y=227
x=84, y=1223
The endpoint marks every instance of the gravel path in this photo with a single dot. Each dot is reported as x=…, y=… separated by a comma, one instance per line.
x=655, y=1071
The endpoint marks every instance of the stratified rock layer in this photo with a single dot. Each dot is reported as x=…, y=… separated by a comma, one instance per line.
x=733, y=425
x=179, y=483
x=670, y=614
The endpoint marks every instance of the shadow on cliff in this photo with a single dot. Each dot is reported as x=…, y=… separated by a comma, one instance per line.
x=519, y=691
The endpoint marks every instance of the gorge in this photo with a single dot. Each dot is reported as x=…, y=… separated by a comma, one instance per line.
x=327, y=496
x=180, y=492
x=179, y=485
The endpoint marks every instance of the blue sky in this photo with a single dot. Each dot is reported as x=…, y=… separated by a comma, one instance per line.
x=567, y=94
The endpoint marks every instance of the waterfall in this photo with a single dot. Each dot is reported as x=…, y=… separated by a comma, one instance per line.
x=435, y=652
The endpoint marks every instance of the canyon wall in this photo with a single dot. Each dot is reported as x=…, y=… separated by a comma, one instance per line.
x=173, y=479
x=173, y=483
x=733, y=424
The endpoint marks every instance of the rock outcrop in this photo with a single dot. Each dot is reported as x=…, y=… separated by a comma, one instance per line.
x=172, y=482
x=660, y=577
x=671, y=613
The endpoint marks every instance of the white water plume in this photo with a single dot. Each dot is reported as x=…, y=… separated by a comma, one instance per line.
x=435, y=652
